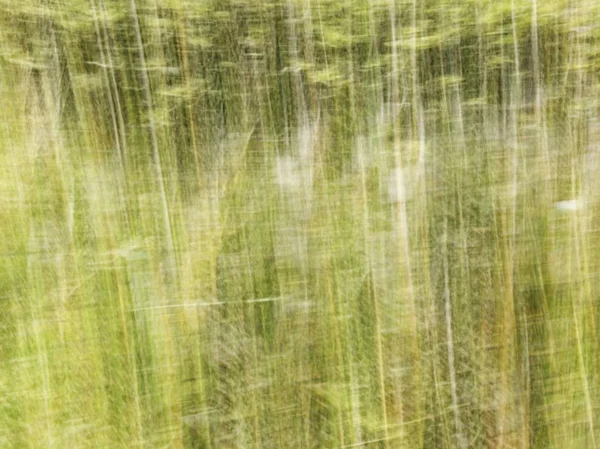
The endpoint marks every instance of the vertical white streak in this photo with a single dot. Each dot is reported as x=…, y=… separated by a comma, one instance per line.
x=450, y=344
x=153, y=134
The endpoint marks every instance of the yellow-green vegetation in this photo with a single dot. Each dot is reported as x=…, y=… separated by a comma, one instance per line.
x=299, y=224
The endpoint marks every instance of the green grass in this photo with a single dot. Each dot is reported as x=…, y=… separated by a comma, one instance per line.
x=299, y=225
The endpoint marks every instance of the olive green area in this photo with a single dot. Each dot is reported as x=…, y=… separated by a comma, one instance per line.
x=299, y=224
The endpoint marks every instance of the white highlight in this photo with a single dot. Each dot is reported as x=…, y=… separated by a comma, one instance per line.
x=570, y=205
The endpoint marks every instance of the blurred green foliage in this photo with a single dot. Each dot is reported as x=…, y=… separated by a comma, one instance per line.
x=299, y=223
